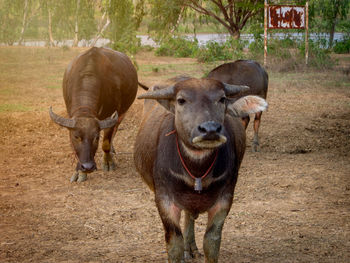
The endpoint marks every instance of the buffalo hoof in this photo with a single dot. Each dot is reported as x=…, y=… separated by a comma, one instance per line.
x=255, y=147
x=108, y=163
x=78, y=177
x=193, y=253
x=182, y=261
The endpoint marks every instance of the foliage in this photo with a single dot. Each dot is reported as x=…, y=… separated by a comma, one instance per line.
x=289, y=54
x=342, y=47
x=319, y=57
x=165, y=14
x=66, y=19
x=212, y=51
x=178, y=47
x=326, y=14
x=10, y=20
x=231, y=49
x=231, y=14
x=123, y=27
x=256, y=48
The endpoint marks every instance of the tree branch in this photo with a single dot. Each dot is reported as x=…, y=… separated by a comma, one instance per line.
x=200, y=9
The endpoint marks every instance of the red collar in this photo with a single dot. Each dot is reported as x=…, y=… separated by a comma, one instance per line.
x=198, y=180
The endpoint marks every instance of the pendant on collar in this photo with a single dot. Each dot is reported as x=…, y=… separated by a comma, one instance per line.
x=197, y=180
x=198, y=184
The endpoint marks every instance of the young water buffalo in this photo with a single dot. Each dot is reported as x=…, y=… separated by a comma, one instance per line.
x=97, y=84
x=188, y=151
x=251, y=74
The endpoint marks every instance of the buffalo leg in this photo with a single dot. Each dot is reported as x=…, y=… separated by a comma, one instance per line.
x=245, y=121
x=191, y=249
x=170, y=215
x=255, y=145
x=212, y=237
x=78, y=175
x=108, y=163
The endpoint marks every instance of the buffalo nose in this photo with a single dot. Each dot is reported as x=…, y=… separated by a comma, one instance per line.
x=210, y=129
x=88, y=167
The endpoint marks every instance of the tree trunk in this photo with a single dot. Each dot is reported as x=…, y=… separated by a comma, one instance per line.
x=331, y=35
x=76, y=29
x=99, y=34
x=51, y=41
x=236, y=35
x=178, y=20
x=24, y=22
x=100, y=28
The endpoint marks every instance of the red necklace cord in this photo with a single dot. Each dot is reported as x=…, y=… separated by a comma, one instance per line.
x=186, y=168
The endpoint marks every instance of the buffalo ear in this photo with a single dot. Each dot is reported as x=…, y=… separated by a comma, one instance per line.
x=64, y=122
x=109, y=122
x=164, y=95
x=246, y=105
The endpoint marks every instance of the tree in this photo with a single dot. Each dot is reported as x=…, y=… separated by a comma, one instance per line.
x=103, y=7
x=76, y=27
x=328, y=13
x=11, y=19
x=67, y=19
x=232, y=14
x=123, y=25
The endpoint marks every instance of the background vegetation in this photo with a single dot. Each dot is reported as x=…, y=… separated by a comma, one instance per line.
x=166, y=21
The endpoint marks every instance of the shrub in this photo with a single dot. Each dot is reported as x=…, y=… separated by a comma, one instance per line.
x=178, y=47
x=229, y=50
x=213, y=51
x=256, y=48
x=342, y=47
x=318, y=57
x=128, y=46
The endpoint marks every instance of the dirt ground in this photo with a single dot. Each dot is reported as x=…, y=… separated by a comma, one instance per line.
x=292, y=201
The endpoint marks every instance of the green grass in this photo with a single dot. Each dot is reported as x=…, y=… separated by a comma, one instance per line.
x=164, y=68
x=7, y=91
x=13, y=108
x=53, y=87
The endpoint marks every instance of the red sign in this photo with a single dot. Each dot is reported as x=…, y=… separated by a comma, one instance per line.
x=286, y=17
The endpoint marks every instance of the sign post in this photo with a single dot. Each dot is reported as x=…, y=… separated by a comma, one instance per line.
x=265, y=32
x=307, y=33
x=286, y=17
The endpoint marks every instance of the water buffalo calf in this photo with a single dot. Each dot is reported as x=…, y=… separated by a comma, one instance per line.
x=99, y=86
x=188, y=151
x=249, y=73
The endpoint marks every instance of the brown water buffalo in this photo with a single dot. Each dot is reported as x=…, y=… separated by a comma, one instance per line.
x=188, y=151
x=99, y=86
x=251, y=74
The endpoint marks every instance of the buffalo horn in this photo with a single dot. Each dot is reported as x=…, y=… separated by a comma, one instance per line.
x=109, y=122
x=159, y=94
x=68, y=123
x=231, y=90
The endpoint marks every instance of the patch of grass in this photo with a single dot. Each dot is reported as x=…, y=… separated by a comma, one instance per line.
x=7, y=92
x=13, y=108
x=53, y=87
x=146, y=68
x=155, y=69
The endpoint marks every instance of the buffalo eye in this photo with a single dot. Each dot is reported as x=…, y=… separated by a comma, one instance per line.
x=222, y=100
x=181, y=101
